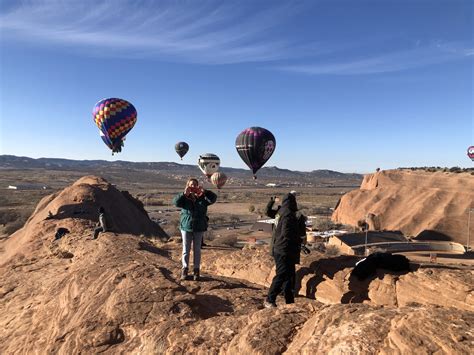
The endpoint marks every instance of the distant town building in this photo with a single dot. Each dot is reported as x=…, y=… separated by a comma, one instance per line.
x=28, y=187
x=353, y=243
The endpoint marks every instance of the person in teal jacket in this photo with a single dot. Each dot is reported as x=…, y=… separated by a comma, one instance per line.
x=193, y=222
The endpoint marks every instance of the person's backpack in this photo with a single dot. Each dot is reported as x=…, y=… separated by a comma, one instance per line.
x=301, y=224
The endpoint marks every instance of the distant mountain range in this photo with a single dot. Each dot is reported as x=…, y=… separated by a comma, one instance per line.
x=171, y=168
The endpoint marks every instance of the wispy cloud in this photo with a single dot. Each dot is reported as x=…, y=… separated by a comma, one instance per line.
x=195, y=31
x=209, y=32
x=389, y=62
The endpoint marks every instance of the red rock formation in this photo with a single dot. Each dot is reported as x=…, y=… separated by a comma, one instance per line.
x=123, y=294
x=412, y=202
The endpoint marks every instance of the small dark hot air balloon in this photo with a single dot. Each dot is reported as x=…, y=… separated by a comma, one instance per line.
x=181, y=148
x=209, y=163
x=218, y=179
x=255, y=146
x=470, y=152
x=115, y=118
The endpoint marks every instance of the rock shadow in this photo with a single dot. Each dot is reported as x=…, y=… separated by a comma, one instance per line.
x=168, y=275
x=152, y=249
x=230, y=285
x=359, y=288
x=322, y=269
x=208, y=306
x=80, y=210
x=431, y=235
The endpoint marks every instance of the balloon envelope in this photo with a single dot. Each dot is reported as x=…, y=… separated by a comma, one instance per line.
x=470, y=152
x=114, y=118
x=209, y=163
x=218, y=179
x=181, y=148
x=255, y=146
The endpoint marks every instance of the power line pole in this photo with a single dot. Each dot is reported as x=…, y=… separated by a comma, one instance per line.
x=366, y=232
x=469, y=229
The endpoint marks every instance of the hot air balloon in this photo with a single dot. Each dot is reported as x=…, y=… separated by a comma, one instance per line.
x=255, y=146
x=470, y=152
x=209, y=164
x=181, y=148
x=218, y=179
x=115, y=118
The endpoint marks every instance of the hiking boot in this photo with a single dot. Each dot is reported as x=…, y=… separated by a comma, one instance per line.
x=268, y=304
x=196, y=276
x=184, y=273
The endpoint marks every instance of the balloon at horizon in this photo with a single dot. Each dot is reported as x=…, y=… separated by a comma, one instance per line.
x=218, y=179
x=470, y=152
x=209, y=164
x=115, y=118
x=181, y=148
x=255, y=146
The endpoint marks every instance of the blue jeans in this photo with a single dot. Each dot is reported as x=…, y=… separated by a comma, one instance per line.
x=196, y=239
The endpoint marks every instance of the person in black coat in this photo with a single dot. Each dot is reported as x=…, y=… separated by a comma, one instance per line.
x=285, y=249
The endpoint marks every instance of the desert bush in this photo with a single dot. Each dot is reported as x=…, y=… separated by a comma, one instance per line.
x=251, y=208
x=234, y=220
x=455, y=169
x=8, y=216
x=217, y=220
x=229, y=240
x=209, y=235
x=12, y=227
x=172, y=228
x=362, y=225
x=332, y=250
x=324, y=225
x=155, y=202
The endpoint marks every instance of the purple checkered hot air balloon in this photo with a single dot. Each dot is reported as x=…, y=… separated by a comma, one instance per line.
x=255, y=146
x=115, y=118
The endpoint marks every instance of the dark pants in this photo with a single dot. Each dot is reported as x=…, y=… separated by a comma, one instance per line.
x=97, y=231
x=284, y=279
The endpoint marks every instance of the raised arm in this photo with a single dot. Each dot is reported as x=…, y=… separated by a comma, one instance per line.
x=210, y=196
x=269, y=211
x=179, y=200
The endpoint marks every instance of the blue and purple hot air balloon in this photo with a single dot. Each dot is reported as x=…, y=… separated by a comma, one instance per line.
x=114, y=118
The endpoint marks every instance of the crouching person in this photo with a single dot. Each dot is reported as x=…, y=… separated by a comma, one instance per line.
x=103, y=225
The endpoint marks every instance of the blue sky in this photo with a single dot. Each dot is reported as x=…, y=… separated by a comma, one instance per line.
x=343, y=85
